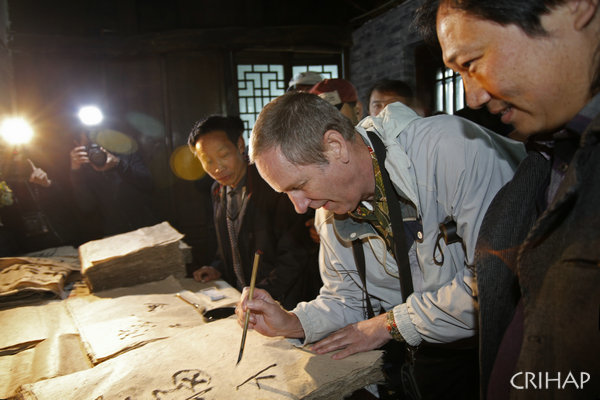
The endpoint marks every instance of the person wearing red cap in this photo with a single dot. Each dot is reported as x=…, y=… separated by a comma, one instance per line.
x=342, y=94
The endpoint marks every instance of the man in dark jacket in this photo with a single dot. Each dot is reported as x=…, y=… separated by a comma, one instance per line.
x=537, y=64
x=41, y=213
x=113, y=194
x=250, y=216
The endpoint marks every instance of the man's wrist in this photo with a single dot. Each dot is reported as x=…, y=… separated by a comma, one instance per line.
x=294, y=328
x=392, y=328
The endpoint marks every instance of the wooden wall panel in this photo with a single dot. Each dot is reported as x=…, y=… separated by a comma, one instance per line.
x=155, y=99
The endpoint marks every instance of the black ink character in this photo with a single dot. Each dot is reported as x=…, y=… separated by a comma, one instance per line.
x=190, y=384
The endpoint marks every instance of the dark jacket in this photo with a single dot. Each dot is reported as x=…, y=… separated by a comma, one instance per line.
x=270, y=225
x=39, y=218
x=119, y=197
x=547, y=266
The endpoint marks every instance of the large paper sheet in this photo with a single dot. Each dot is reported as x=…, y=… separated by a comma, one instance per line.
x=24, y=327
x=200, y=363
x=112, y=325
x=37, y=342
x=56, y=356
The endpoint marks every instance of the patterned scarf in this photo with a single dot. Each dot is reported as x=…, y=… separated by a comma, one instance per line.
x=380, y=216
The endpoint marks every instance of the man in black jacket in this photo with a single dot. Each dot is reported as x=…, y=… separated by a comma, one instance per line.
x=250, y=216
x=40, y=214
x=537, y=64
x=113, y=194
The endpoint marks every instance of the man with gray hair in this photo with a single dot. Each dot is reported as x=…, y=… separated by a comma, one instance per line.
x=389, y=183
x=537, y=64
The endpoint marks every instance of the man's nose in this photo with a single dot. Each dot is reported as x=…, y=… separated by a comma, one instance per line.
x=218, y=167
x=299, y=201
x=476, y=94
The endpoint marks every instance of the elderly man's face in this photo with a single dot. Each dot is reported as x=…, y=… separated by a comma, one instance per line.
x=330, y=186
x=535, y=83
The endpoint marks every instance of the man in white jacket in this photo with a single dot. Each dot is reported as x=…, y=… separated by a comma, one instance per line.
x=441, y=167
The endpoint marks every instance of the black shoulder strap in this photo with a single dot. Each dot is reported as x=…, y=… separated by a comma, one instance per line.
x=359, y=258
x=400, y=249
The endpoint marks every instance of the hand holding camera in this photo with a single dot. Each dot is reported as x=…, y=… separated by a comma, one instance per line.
x=94, y=155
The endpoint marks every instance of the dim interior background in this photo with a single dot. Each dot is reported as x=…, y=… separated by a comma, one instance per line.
x=155, y=67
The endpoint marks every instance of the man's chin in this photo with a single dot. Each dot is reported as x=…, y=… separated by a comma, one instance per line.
x=336, y=208
x=329, y=206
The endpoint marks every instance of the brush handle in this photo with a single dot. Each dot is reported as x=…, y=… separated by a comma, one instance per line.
x=250, y=296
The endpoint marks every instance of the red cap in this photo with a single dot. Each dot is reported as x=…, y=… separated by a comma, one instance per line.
x=335, y=91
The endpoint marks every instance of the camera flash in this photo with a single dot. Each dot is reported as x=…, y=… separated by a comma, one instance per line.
x=16, y=130
x=90, y=115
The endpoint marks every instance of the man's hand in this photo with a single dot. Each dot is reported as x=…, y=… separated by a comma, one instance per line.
x=39, y=176
x=206, y=274
x=355, y=338
x=267, y=316
x=79, y=156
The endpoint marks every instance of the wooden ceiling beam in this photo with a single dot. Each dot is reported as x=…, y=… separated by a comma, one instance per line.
x=302, y=37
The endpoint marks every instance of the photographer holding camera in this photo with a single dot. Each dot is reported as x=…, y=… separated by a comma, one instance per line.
x=111, y=190
x=98, y=158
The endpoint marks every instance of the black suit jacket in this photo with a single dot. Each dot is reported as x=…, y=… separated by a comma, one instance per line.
x=271, y=225
x=550, y=262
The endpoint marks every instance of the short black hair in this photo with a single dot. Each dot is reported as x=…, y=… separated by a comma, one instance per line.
x=399, y=87
x=233, y=127
x=526, y=14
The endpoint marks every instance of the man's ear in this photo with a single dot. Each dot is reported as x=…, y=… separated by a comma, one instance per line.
x=583, y=12
x=335, y=146
x=241, y=145
x=359, y=109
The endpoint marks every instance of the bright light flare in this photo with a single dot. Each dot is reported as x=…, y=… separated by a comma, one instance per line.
x=185, y=165
x=16, y=130
x=90, y=115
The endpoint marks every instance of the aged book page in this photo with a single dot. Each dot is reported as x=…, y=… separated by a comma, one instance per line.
x=24, y=327
x=115, y=321
x=56, y=356
x=201, y=363
x=28, y=279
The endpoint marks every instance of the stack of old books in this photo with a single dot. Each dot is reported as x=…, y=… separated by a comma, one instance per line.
x=144, y=255
x=31, y=279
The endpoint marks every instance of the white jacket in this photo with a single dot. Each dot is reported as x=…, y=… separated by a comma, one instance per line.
x=445, y=166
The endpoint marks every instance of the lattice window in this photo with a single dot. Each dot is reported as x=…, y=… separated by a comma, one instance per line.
x=258, y=84
x=326, y=71
x=450, y=92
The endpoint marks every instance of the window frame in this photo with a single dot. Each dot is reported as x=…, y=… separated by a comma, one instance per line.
x=449, y=91
x=292, y=63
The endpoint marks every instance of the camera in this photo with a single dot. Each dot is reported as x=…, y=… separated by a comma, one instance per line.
x=96, y=155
